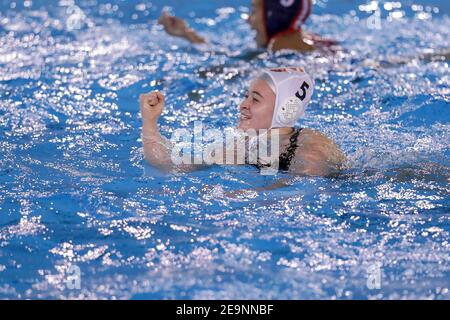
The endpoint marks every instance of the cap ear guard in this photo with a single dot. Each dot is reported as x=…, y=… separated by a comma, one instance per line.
x=293, y=91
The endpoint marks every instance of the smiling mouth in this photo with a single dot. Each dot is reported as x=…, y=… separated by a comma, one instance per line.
x=244, y=117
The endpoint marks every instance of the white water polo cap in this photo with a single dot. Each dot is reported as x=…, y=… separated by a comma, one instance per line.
x=293, y=89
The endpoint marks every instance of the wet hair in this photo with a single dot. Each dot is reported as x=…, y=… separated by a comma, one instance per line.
x=266, y=78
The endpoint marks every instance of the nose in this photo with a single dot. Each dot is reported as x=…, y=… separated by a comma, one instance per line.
x=244, y=105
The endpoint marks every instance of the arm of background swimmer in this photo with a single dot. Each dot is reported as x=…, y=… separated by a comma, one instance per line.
x=178, y=27
x=194, y=37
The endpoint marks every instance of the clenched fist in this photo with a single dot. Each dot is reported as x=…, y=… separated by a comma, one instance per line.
x=152, y=105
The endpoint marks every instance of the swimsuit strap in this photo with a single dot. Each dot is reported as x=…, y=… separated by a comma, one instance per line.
x=287, y=156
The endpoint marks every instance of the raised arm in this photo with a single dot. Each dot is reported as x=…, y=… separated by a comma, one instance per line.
x=178, y=28
x=156, y=147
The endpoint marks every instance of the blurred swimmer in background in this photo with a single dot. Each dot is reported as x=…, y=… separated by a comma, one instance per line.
x=278, y=25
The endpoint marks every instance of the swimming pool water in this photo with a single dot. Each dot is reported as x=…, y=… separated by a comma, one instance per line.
x=75, y=191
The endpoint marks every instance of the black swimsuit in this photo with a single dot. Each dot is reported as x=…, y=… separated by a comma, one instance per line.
x=286, y=157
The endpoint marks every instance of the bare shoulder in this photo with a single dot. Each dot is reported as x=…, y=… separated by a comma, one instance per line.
x=316, y=155
x=292, y=41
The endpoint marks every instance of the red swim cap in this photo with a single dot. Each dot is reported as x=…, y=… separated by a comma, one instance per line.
x=285, y=15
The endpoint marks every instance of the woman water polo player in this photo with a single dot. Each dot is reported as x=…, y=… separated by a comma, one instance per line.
x=275, y=101
x=278, y=25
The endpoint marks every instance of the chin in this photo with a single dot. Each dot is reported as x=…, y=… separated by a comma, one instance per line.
x=243, y=126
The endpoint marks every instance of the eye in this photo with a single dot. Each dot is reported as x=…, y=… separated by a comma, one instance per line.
x=254, y=98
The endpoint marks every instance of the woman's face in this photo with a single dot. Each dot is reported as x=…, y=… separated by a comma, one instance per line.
x=256, y=110
x=256, y=21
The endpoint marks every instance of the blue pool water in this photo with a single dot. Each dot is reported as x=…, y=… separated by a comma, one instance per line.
x=76, y=193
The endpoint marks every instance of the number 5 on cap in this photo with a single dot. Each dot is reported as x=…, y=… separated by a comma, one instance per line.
x=303, y=88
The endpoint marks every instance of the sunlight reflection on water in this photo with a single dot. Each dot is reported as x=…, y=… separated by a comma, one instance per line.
x=74, y=189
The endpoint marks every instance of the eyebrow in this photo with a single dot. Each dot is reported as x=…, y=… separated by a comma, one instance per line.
x=259, y=94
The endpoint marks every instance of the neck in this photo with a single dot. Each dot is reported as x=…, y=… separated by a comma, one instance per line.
x=282, y=131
